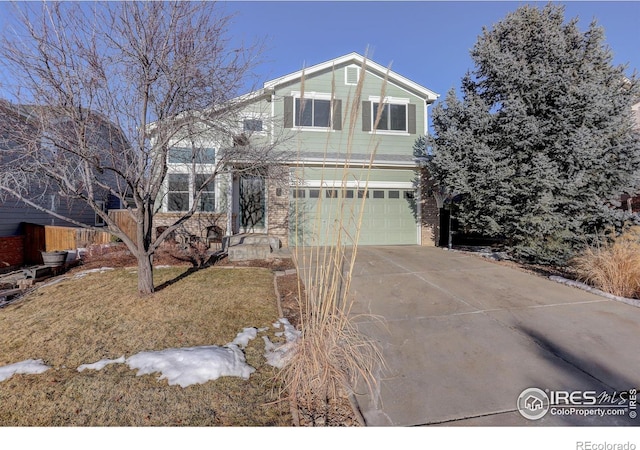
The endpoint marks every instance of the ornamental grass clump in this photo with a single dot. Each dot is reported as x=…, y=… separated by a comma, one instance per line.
x=332, y=355
x=613, y=265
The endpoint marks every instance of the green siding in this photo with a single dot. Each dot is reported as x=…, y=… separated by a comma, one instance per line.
x=338, y=173
x=317, y=141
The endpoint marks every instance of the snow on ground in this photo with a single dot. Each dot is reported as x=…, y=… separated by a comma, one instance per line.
x=101, y=364
x=29, y=366
x=190, y=365
x=193, y=365
x=278, y=355
x=243, y=338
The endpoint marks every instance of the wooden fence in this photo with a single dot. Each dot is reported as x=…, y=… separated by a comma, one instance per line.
x=65, y=238
x=125, y=222
x=48, y=238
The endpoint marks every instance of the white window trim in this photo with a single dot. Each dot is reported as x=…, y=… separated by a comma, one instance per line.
x=313, y=96
x=389, y=101
x=192, y=180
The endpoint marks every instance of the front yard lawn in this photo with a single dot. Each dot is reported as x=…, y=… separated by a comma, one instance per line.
x=81, y=321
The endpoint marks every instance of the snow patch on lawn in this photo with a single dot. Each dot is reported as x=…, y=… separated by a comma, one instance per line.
x=190, y=365
x=243, y=338
x=101, y=364
x=30, y=366
x=278, y=355
x=193, y=365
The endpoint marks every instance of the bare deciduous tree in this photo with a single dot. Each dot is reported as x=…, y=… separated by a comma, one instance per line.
x=100, y=92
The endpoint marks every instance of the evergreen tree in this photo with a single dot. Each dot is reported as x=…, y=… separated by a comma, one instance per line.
x=542, y=143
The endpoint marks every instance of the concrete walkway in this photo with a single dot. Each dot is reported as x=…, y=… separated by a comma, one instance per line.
x=463, y=337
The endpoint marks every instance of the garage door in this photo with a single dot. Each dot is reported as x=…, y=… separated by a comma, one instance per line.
x=389, y=216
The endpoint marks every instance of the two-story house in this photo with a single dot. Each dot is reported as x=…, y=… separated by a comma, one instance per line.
x=330, y=118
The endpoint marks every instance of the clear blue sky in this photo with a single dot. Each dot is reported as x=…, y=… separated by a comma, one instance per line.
x=427, y=42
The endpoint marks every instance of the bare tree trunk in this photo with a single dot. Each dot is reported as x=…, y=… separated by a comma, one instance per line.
x=144, y=253
x=145, y=274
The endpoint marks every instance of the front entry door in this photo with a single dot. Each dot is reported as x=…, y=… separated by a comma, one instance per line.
x=252, y=203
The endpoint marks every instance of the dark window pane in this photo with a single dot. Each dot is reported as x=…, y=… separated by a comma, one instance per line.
x=201, y=183
x=252, y=125
x=178, y=201
x=384, y=118
x=207, y=156
x=178, y=182
x=398, y=115
x=331, y=193
x=304, y=112
x=378, y=194
x=361, y=194
x=314, y=193
x=179, y=155
x=322, y=113
x=207, y=202
x=394, y=194
x=409, y=195
x=348, y=193
x=298, y=193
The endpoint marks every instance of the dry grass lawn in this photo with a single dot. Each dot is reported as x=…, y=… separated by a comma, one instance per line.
x=101, y=316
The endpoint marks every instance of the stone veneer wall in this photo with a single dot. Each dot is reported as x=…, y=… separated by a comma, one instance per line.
x=278, y=204
x=430, y=220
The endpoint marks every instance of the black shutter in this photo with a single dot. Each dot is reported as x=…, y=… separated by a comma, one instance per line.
x=288, y=112
x=337, y=115
x=412, y=118
x=366, y=116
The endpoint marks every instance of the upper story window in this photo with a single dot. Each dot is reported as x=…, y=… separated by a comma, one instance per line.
x=252, y=125
x=392, y=118
x=397, y=115
x=312, y=112
x=185, y=155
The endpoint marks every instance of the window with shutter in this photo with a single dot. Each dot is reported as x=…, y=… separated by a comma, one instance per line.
x=313, y=110
x=389, y=116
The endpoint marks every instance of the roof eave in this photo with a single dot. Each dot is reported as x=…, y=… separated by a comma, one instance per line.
x=428, y=95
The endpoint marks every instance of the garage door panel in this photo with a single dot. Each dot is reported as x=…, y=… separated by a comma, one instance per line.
x=388, y=217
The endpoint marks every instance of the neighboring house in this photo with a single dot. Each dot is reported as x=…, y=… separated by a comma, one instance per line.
x=13, y=212
x=17, y=121
x=310, y=113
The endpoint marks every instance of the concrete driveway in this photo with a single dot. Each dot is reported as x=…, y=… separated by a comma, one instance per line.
x=463, y=337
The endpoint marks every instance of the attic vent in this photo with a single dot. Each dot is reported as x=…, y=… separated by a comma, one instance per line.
x=352, y=74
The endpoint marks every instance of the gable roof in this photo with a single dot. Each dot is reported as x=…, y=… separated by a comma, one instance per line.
x=371, y=66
